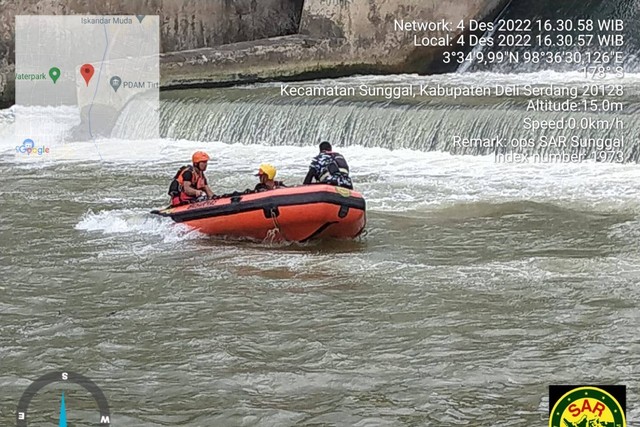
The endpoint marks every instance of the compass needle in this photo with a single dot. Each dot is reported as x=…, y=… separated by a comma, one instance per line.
x=63, y=413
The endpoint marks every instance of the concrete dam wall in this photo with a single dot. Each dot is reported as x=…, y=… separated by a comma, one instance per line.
x=225, y=42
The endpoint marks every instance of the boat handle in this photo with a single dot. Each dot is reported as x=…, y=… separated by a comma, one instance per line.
x=271, y=212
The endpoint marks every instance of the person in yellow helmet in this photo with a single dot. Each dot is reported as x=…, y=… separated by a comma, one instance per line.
x=266, y=174
x=190, y=184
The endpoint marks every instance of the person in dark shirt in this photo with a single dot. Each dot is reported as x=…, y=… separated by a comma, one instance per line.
x=190, y=184
x=329, y=167
x=266, y=174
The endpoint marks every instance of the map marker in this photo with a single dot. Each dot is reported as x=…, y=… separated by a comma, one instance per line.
x=140, y=18
x=54, y=73
x=115, y=82
x=87, y=72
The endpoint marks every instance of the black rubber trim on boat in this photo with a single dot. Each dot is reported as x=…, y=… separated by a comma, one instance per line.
x=319, y=230
x=266, y=203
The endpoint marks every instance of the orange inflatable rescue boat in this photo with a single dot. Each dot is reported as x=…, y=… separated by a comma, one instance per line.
x=294, y=214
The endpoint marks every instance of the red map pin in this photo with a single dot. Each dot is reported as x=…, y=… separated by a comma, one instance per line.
x=87, y=72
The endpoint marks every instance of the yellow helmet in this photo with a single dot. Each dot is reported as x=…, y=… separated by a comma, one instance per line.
x=267, y=169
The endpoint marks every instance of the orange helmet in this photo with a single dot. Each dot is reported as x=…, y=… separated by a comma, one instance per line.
x=200, y=156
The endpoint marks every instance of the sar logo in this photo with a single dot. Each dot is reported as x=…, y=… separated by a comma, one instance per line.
x=587, y=406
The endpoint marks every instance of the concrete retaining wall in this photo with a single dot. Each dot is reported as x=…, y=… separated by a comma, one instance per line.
x=337, y=38
x=371, y=38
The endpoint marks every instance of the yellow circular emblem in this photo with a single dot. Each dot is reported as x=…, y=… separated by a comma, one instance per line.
x=587, y=407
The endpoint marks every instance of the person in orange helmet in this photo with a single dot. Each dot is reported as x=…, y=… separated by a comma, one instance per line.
x=190, y=184
x=266, y=174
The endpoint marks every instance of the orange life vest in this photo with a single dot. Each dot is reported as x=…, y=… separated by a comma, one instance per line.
x=176, y=189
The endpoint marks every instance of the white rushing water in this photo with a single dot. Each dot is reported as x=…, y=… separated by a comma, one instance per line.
x=392, y=179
